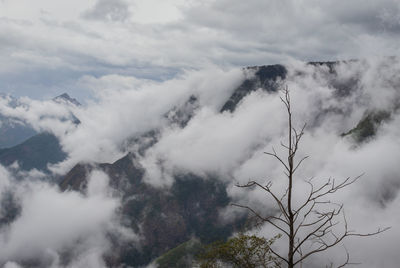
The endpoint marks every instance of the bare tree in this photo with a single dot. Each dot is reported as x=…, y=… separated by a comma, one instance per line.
x=316, y=222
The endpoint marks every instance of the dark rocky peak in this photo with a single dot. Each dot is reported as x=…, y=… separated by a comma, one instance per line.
x=269, y=77
x=126, y=167
x=66, y=99
x=267, y=73
x=76, y=178
x=330, y=64
x=265, y=77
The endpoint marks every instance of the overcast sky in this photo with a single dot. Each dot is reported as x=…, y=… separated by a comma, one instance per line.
x=112, y=50
x=48, y=47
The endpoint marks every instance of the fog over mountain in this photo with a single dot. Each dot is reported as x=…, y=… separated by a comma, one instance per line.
x=126, y=125
x=188, y=131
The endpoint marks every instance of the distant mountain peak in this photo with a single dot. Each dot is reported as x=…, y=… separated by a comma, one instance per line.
x=65, y=98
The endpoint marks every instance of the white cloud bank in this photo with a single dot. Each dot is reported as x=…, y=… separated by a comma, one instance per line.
x=231, y=145
x=52, y=223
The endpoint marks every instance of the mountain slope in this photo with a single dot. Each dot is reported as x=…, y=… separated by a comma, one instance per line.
x=265, y=77
x=166, y=218
x=36, y=152
x=13, y=132
x=163, y=218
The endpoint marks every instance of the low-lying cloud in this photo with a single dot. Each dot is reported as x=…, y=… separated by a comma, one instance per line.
x=229, y=146
x=60, y=229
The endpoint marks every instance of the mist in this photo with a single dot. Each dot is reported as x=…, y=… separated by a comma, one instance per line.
x=60, y=229
x=229, y=146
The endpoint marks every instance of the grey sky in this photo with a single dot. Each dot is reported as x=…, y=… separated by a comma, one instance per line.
x=112, y=50
x=47, y=47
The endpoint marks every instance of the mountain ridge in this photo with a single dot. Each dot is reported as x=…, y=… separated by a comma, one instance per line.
x=167, y=217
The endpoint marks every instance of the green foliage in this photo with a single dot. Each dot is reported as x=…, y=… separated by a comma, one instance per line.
x=168, y=219
x=368, y=126
x=181, y=256
x=243, y=251
x=200, y=201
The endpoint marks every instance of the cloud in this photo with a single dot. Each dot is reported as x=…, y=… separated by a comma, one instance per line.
x=109, y=11
x=229, y=146
x=52, y=223
x=11, y=265
x=118, y=114
x=137, y=61
x=369, y=202
x=214, y=143
x=159, y=40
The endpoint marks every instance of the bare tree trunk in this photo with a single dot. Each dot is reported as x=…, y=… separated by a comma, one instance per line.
x=317, y=213
x=290, y=187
